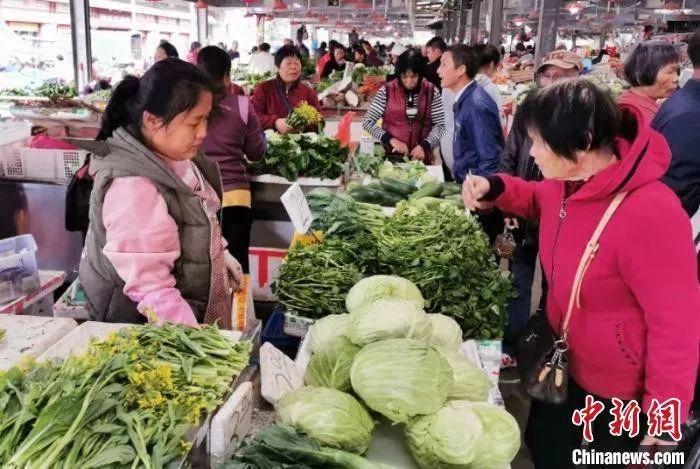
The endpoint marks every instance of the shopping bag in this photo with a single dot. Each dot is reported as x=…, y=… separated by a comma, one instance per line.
x=343, y=134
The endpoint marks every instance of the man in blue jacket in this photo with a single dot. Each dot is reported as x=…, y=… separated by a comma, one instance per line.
x=478, y=140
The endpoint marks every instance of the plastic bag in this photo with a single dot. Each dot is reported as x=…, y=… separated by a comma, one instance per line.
x=343, y=134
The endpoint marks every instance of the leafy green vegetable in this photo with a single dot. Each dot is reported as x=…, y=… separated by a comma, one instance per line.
x=389, y=318
x=128, y=401
x=330, y=417
x=254, y=79
x=341, y=214
x=369, y=164
x=330, y=367
x=2, y=334
x=282, y=447
x=360, y=73
x=500, y=440
x=401, y=378
x=368, y=290
x=447, y=255
x=304, y=116
x=295, y=155
x=15, y=92
x=447, y=439
x=446, y=333
x=470, y=383
x=56, y=91
x=333, y=78
x=326, y=330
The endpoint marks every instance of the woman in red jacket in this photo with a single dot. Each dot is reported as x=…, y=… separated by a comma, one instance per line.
x=635, y=331
x=275, y=99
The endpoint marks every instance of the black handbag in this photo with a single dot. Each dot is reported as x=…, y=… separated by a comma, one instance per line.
x=541, y=354
x=77, y=214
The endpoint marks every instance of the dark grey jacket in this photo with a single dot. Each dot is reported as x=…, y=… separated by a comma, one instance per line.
x=121, y=156
x=516, y=161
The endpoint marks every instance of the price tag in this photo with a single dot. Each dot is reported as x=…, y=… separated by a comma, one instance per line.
x=297, y=207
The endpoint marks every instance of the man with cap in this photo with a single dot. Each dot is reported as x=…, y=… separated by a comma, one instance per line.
x=516, y=160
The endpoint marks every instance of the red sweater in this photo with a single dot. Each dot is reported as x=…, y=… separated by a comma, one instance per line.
x=270, y=105
x=637, y=333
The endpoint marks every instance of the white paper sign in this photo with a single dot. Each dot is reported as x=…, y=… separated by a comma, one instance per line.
x=278, y=374
x=297, y=207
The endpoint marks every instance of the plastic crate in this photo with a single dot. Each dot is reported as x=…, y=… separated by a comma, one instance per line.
x=19, y=274
x=13, y=137
x=273, y=332
x=51, y=164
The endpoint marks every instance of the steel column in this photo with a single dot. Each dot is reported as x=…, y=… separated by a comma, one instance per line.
x=80, y=34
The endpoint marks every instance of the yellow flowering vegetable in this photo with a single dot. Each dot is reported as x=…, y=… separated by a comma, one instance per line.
x=304, y=116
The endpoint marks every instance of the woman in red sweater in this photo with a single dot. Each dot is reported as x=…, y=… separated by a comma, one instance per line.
x=274, y=99
x=634, y=333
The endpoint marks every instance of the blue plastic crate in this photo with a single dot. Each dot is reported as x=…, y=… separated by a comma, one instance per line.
x=273, y=332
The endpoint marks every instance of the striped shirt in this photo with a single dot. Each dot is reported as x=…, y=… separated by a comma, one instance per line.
x=378, y=107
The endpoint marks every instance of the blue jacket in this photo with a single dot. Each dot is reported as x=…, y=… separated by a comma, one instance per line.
x=678, y=120
x=478, y=140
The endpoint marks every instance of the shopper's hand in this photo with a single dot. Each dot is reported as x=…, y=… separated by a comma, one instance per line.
x=511, y=223
x=473, y=189
x=235, y=270
x=282, y=126
x=651, y=444
x=398, y=146
x=418, y=153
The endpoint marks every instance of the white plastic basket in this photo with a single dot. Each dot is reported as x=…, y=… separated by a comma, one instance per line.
x=51, y=164
x=13, y=137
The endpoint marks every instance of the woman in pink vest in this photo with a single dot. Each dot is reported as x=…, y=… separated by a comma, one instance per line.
x=410, y=107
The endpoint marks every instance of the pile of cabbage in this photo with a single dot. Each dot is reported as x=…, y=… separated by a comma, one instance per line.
x=388, y=359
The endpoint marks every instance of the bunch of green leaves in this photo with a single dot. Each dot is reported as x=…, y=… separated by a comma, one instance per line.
x=369, y=164
x=314, y=280
x=2, y=333
x=332, y=79
x=360, y=73
x=127, y=402
x=15, y=92
x=340, y=214
x=56, y=91
x=282, y=447
x=292, y=156
x=308, y=68
x=254, y=79
x=447, y=255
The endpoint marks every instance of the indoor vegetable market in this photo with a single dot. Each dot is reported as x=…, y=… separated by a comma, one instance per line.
x=349, y=234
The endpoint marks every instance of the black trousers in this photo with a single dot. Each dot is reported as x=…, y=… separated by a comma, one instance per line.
x=235, y=228
x=492, y=222
x=551, y=437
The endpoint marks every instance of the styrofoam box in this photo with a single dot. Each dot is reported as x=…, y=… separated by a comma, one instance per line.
x=29, y=336
x=13, y=137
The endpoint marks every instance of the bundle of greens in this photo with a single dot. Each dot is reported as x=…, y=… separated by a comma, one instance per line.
x=254, y=79
x=447, y=255
x=314, y=280
x=369, y=164
x=341, y=214
x=15, y=92
x=56, y=91
x=282, y=447
x=360, y=73
x=304, y=116
x=127, y=402
x=292, y=156
x=326, y=83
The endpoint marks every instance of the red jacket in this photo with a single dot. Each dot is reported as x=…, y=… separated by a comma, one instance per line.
x=637, y=333
x=269, y=103
x=648, y=106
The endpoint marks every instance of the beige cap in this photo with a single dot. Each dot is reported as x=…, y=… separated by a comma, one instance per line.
x=562, y=59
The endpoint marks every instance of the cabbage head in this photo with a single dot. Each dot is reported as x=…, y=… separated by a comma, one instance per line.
x=500, y=440
x=470, y=382
x=446, y=335
x=388, y=319
x=447, y=439
x=330, y=367
x=330, y=417
x=401, y=378
x=370, y=289
x=326, y=330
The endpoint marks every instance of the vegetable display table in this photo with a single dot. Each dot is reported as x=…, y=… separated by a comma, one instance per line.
x=27, y=336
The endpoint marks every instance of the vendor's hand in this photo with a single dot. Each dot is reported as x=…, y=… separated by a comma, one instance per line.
x=418, y=153
x=282, y=126
x=235, y=270
x=398, y=146
x=473, y=189
x=511, y=223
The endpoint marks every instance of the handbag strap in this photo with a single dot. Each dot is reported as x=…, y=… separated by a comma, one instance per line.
x=586, y=259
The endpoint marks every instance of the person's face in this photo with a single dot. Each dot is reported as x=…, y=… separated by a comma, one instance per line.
x=339, y=55
x=359, y=56
x=552, y=74
x=159, y=55
x=433, y=54
x=410, y=80
x=666, y=81
x=181, y=138
x=449, y=75
x=290, y=69
x=552, y=165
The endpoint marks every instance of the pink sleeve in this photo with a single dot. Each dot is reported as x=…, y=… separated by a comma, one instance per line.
x=142, y=245
x=658, y=263
x=519, y=197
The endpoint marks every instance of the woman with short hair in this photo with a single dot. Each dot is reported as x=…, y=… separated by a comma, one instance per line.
x=410, y=107
x=632, y=309
x=653, y=71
